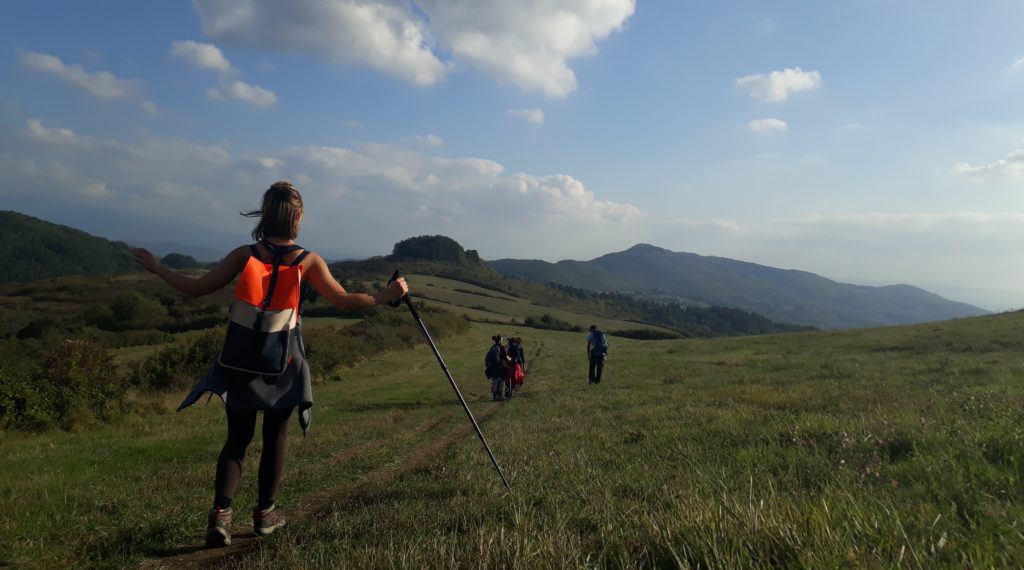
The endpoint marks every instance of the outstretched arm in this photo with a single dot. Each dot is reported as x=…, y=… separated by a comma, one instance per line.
x=212, y=280
x=329, y=288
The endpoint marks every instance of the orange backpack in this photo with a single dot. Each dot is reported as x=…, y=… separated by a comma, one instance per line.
x=265, y=314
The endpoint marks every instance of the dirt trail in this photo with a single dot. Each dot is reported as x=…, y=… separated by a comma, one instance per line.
x=321, y=503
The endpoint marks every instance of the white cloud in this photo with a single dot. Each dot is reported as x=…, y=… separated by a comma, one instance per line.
x=49, y=134
x=428, y=140
x=1019, y=64
x=102, y=84
x=269, y=163
x=150, y=107
x=242, y=91
x=381, y=35
x=203, y=56
x=767, y=126
x=1010, y=167
x=779, y=85
x=97, y=190
x=534, y=116
x=527, y=43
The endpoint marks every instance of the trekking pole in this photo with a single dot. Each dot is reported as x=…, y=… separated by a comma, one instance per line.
x=455, y=387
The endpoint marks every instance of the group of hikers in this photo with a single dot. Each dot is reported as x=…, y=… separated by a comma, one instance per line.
x=505, y=367
x=262, y=366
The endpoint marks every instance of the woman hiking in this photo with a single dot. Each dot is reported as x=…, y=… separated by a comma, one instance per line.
x=262, y=366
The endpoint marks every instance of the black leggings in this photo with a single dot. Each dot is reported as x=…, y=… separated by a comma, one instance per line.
x=241, y=428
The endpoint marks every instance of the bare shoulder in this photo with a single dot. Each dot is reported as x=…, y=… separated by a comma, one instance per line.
x=241, y=253
x=312, y=260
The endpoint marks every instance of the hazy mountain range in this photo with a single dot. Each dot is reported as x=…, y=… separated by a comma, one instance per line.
x=779, y=294
x=36, y=249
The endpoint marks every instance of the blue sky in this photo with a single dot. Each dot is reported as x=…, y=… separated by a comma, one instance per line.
x=869, y=141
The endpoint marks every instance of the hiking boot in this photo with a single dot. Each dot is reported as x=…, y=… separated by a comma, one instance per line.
x=218, y=528
x=266, y=521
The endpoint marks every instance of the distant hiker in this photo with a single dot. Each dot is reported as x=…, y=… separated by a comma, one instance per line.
x=496, y=368
x=516, y=365
x=597, y=352
x=262, y=366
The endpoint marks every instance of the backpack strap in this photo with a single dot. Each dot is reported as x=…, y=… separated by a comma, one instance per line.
x=279, y=252
x=299, y=259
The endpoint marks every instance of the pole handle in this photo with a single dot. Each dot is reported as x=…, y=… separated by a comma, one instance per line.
x=405, y=298
x=396, y=302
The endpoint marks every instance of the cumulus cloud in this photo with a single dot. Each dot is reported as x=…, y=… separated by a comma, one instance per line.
x=1010, y=167
x=534, y=116
x=242, y=91
x=767, y=126
x=779, y=85
x=203, y=56
x=102, y=84
x=527, y=43
x=383, y=35
x=150, y=108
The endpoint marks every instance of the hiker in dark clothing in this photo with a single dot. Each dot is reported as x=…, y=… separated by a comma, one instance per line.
x=271, y=374
x=597, y=352
x=496, y=368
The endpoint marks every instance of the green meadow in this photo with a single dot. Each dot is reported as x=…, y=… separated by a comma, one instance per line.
x=882, y=448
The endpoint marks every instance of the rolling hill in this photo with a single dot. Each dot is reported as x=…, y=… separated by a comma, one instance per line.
x=779, y=294
x=36, y=249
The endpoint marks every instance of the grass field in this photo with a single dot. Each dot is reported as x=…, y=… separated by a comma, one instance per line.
x=896, y=447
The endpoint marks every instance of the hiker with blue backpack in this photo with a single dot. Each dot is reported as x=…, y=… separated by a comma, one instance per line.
x=262, y=366
x=597, y=352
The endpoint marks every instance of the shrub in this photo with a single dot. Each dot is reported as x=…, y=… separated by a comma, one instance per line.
x=180, y=364
x=23, y=403
x=76, y=383
x=132, y=310
x=85, y=381
x=548, y=322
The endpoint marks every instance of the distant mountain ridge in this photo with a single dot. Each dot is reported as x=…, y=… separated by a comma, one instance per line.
x=780, y=294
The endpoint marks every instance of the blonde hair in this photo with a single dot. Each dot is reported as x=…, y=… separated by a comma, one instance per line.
x=279, y=214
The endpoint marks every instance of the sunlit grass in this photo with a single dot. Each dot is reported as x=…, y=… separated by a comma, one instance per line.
x=894, y=447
